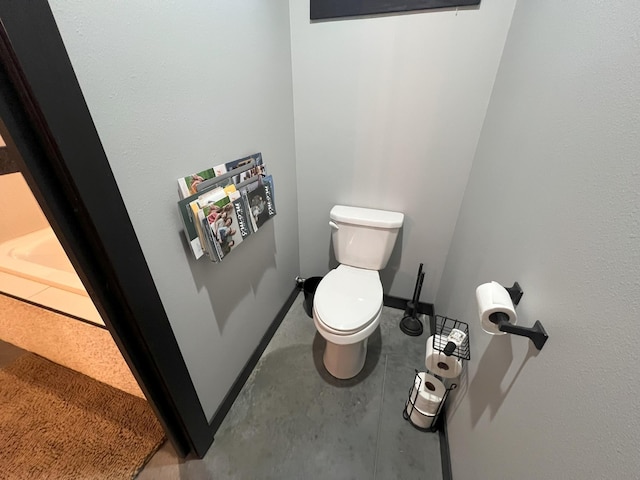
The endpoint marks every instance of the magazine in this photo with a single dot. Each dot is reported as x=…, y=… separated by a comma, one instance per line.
x=268, y=179
x=193, y=229
x=256, y=158
x=232, y=176
x=197, y=240
x=188, y=185
x=218, y=223
x=234, y=229
x=242, y=218
x=260, y=203
x=207, y=238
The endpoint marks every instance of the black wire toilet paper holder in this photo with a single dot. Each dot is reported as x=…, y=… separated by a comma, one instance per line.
x=441, y=327
x=410, y=408
x=537, y=334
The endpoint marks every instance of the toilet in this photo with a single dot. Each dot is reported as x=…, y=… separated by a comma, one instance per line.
x=348, y=301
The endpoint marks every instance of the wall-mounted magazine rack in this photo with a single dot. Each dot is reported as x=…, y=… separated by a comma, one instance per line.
x=221, y=206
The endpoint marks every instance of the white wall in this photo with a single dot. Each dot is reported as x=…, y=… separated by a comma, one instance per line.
x=175, y=88
x=388, y=111
x=553, y=202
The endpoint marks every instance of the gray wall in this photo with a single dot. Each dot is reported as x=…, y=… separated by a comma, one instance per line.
x=388, y=111
x=175, y=88
x=553, y=202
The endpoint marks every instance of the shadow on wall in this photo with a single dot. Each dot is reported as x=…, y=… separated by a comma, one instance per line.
x=458, y=394
x=237, y=276
x=485, y=390
x=388, y=274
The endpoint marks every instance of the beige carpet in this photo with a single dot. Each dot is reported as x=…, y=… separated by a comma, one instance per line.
x=84, y=348
x=58, y=424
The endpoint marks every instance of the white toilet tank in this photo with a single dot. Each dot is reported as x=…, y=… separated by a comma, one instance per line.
x=363, y=237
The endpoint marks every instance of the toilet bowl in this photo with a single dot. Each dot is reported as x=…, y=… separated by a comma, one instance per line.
x=346, y=311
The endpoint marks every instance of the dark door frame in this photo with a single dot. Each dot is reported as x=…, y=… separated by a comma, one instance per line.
x=49, y=130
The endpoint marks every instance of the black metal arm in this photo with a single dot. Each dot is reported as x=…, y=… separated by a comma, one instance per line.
x=537, y=333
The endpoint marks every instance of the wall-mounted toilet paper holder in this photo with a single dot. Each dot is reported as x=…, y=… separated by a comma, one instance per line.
x=537, y=333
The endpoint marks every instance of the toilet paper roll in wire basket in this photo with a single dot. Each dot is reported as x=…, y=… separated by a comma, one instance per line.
x=439, y=363
x=427, y=393
x=418, y=418
x=493, y=298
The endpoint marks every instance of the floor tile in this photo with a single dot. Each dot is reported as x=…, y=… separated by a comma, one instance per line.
x=18, y=286
x=68, y=302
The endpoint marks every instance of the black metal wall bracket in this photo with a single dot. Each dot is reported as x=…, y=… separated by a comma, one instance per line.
x=515, y=293
x=537, y=334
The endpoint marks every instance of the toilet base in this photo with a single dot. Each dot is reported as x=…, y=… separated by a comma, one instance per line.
x=345, y=361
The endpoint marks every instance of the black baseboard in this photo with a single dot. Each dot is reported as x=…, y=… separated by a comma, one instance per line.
x=401, y=304
x=235, y=389
x=445, y=454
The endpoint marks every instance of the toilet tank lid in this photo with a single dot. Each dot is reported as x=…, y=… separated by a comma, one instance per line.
x=366, y=216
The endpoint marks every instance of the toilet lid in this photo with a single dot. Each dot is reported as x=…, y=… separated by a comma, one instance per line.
x=348, y=298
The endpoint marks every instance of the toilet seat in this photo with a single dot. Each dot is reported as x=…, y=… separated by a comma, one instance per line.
x=348, y=299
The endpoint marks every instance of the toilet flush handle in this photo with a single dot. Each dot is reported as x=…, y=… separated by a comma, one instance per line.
x=332, y=224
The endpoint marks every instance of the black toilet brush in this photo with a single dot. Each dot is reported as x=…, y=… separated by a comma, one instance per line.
x=410, y=323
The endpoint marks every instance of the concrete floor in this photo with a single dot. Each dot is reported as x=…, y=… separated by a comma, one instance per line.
x=292, y=420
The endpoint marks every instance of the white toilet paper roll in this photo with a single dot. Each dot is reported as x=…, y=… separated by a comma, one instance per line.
x=493, y=298
x=427, y=393
x=418, y=418
x=439, y=363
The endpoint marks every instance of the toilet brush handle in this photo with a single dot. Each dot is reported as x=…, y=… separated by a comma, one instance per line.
x=416, y=293
x=416, y=290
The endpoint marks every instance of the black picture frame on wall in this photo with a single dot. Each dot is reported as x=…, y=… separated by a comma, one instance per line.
x=324, y=9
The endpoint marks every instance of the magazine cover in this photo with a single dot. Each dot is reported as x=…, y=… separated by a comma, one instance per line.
x=271, y=204
x=200, y=239
x=268, y=180
x=207, y=239
x=188, y=208
x=218, y=217
x=188, y=185
x=261, y=206
x=257, y=170
x=227, y=178
x=227, y=167
x=232, y=227
x=242, y=217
